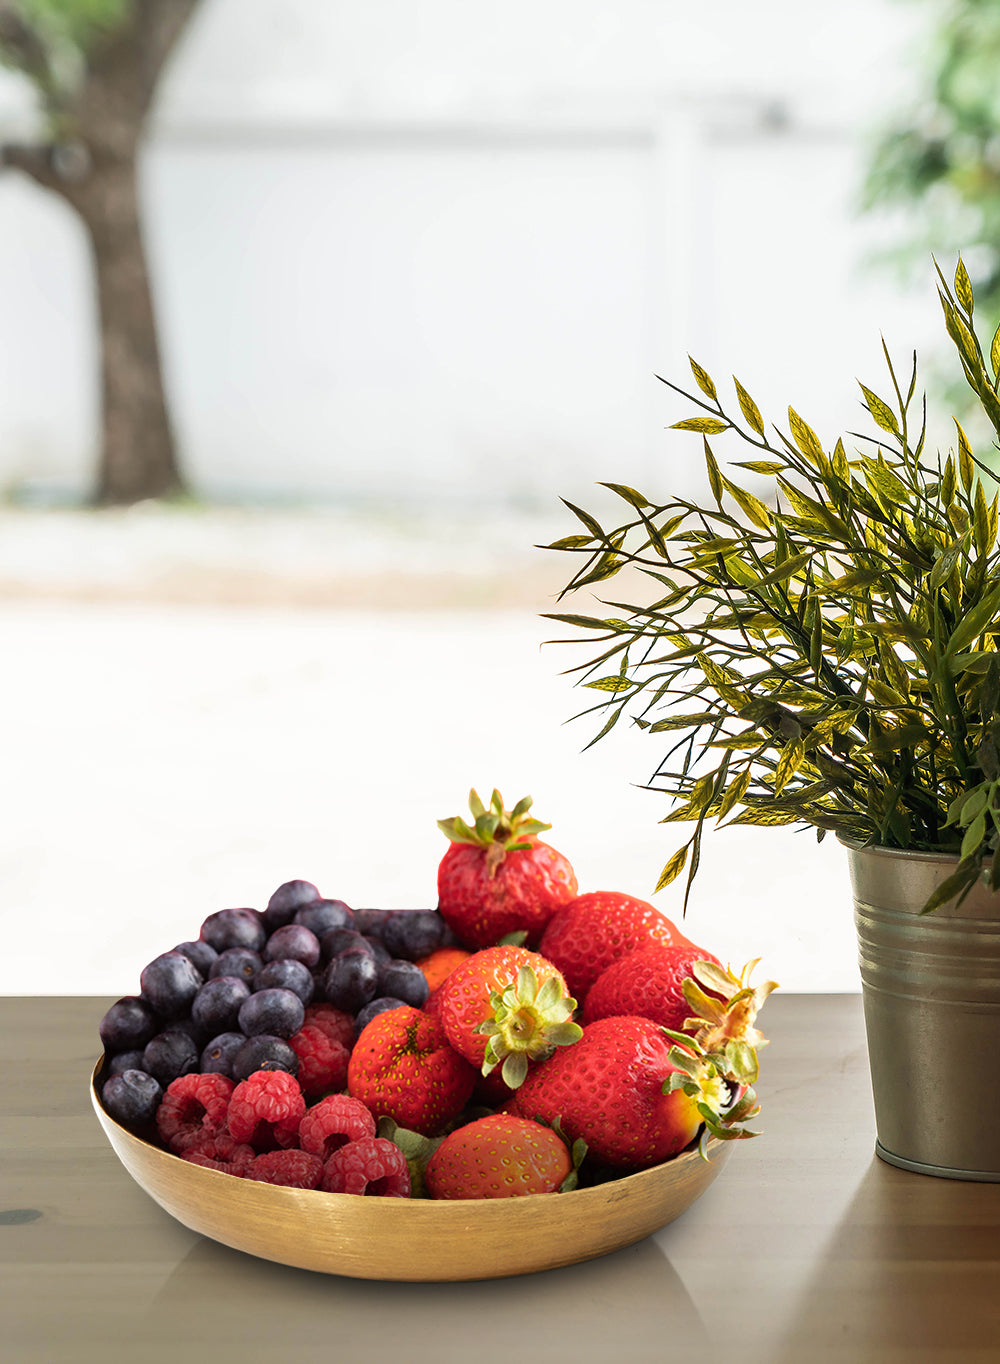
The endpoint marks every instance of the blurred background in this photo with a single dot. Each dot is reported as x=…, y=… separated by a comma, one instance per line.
x=310, y=315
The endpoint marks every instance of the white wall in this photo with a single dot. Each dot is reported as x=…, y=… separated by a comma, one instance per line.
x=442, y=250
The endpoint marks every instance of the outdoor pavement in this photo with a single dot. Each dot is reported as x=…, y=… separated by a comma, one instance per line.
x=199, y=706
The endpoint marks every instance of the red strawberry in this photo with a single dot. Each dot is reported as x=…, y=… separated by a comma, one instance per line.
x=506, y=1005
x=608, y=1089
x=648, y=983
x=499, y=1157
x=595, y=929
x=497, y=878
x=403, y=1067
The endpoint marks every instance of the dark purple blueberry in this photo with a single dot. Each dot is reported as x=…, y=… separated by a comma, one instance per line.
x=404, y=980
x=278, y=1013
x=234, y=928
x=378, y=950
x=378, y=1006
x=370, y=921
x=264, y=1053
x=286, y=900
x=341, y=940
x=125, y=1060
x=129, y=1023
x=200, y=954
x=170, y=1054
x=413, y=933
x=218, y=1056
x=216, y=1006
x=241, y=962
x=286, y=974
x=351, y=980
x=322, y=915
x=197, y=1034
x=132, y=1097
x=169, y=983
x=295, y=941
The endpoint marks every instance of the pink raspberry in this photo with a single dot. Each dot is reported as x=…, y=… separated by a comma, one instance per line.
x=295, y=1169
x=332, y=1123
x=338, y=1025
x=371, y=1165
x=266, y=1110
x=194, y=1106
x=322, y=1060
x=222, y=1152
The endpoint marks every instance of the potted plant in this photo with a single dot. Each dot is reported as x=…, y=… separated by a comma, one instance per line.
x=828, y=656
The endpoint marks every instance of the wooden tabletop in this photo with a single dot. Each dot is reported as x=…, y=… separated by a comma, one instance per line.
x=806, y=1250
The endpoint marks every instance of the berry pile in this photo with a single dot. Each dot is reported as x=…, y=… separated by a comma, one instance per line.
x=488, y=1044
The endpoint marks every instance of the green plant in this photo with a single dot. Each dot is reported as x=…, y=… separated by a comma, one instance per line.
x=829, y=660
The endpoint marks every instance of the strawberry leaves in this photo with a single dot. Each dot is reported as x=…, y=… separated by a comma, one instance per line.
x=528, y=1023
x=716, y=1055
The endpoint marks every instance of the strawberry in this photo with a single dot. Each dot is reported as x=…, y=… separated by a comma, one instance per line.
x=608, y=1089
x=403, y=1067
x=438, y=966
x=506, y=1005
x=648, y=982
x=497, y=878
x=501, y=1156
x=594, y=930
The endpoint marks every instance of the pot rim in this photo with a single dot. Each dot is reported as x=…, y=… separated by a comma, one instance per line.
x=908, y=854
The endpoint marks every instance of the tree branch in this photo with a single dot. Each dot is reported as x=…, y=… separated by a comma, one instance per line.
x=26, y=49
x=61, y=167
x=130, y=59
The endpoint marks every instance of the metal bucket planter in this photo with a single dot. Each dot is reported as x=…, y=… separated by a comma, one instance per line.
x=931, y=988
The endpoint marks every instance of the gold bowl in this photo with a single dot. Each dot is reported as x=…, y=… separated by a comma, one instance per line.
x=419, y=1239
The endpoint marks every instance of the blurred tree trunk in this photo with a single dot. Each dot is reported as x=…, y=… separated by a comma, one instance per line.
x=91, y=162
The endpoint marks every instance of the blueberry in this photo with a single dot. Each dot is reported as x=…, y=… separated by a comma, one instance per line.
x=286, y=900
x=170, y=1054
x=351, y=980
x=370, y=921
x=378, y=950
x=129, y=1023
x=188, y=1025
x=216, y=1006
x=340, y=940
x=125, y=1060
x=264, y=1053
x=237, y=961
x=404, y=980
x=220, y=1053
x=295, y=941
x=286, y=974
x=234, y=928
x=277, y=1013
x=200, y=954
x=378, y=1006
x=169, y=983
x=322, y=915
x=132, y=1097
x=413, y=933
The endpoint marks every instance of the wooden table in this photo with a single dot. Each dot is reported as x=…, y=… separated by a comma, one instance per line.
x=806, y=1250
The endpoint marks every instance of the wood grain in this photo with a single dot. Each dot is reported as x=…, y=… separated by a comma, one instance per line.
x=808, y=1250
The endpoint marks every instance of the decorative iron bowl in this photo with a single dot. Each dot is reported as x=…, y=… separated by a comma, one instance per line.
x=418, y=1239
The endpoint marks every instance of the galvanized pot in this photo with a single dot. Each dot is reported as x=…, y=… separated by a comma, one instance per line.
x=931, y=988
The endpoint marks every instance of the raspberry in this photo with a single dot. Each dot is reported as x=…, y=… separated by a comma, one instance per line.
x=222, y=1152
x=266, y=1110
x=337, y=1024
x=322, y=1060
x=372, y=1165
x=332, y=1123
x=194, y=1106
x=295, y=1169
